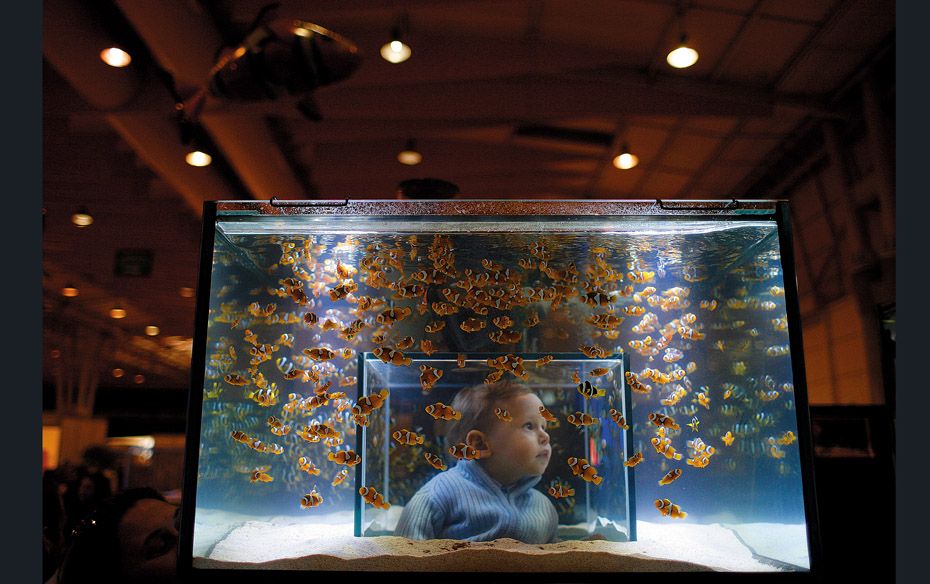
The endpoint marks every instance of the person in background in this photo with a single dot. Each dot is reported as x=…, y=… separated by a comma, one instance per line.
x=491, y=496
x=130, y=537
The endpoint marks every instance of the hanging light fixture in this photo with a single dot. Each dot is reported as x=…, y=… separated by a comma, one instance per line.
x=625, y=160
x=198, y=158
x=115, y=57
x=395, y=50
x=682, y=56
x=410, y=155
x=82, y=217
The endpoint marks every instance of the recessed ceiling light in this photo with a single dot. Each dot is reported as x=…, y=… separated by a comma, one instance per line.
x=138, y=379
x=117, y=313
x=115, y=57
x=186, y=292
x=152, y=330
x=117, y=372
x=69, y=291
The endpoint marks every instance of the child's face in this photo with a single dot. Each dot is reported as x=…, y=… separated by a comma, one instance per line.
x=519, y=448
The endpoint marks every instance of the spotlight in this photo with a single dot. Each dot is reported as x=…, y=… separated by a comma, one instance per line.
x=396, y=51
x=683, y=56
x=115, y=57
x=82, y=217
x=625, y=160
x=410, y=155
x=198, y=158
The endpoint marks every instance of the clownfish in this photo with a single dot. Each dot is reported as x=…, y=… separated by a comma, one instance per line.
x=340, y=476
x=669, y=509
x=634, y=460
x=260, y=476
x=503, y=414
x=581, y=466
x=346, y=457
x=579, y=419
x=663, y=420
x=588, y=390
x=547, y=415
x=406, y=437
x=311, y=499
x=671, y=476
x=434, y=460
x=559, y=491
x=463, y=451
x=618, y=418
x=440, y=410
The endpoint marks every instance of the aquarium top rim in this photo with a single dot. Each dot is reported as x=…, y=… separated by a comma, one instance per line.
x=496, y=207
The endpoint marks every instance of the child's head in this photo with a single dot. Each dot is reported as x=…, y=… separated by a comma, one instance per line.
x=509, y=450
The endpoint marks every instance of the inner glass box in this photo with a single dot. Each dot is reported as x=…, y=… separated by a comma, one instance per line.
x=661, y=337
x=397, y=470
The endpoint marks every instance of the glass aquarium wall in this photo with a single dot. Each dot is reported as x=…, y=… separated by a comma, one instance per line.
x=330, y=330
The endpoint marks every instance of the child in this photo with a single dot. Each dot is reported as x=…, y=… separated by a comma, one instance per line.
x=493, y=496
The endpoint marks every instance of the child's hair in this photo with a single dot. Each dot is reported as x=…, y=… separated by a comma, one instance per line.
x=477, y=403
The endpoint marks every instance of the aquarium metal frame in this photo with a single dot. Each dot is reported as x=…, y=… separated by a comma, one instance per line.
x=737, y=209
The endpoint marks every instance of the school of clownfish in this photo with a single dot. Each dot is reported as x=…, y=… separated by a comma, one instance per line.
x=619, y=295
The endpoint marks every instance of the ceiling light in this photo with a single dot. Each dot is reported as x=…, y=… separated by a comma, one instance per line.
x=198, y=158
x=683, y=56
x=395, y=51
x=82, y=218
x=152, y=330
x=117, y=373
x=117, y=313
x=410, y=155
x=138, y=379
x=186, y=292
x=625, y=160
x=115, y=57
x=69, y=291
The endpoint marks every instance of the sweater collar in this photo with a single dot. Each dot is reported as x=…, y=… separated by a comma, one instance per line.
x=473, y=471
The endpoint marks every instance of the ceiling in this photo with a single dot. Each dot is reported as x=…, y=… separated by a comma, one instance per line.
x=506, y=99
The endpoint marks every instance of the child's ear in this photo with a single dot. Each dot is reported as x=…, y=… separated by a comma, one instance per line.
x=477, y=440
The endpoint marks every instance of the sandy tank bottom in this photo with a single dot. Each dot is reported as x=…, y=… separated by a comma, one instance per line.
x=325, y=542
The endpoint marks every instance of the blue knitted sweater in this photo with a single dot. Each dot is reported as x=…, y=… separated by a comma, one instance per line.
x=465, y=503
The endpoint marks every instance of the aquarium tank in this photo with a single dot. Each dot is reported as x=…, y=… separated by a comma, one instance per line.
x=661, y=339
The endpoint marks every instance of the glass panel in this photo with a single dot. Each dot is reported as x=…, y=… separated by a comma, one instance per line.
x=695, y=306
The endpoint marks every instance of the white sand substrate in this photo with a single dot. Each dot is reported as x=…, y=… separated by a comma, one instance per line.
x=326, y=542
